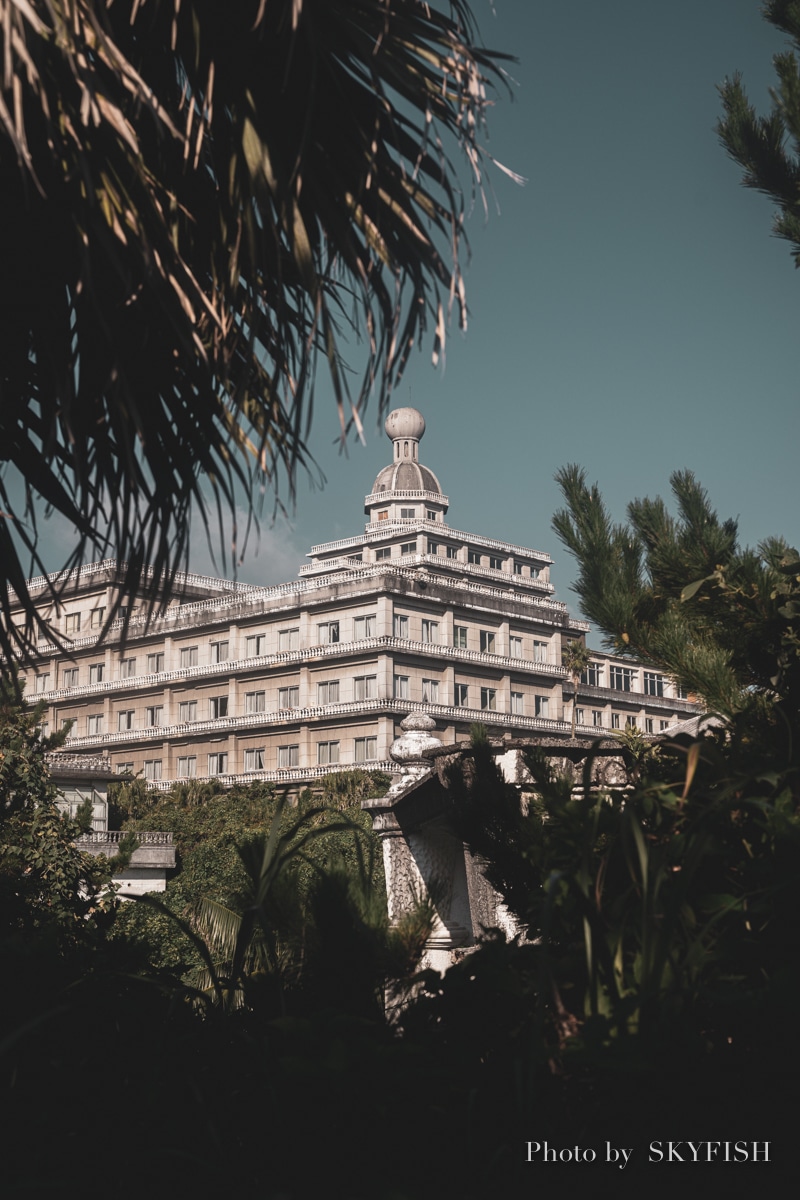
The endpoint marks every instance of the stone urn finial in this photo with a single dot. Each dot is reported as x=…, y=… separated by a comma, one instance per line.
x=417, y=736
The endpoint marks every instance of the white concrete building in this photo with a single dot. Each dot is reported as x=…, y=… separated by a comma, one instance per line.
x=289, y=682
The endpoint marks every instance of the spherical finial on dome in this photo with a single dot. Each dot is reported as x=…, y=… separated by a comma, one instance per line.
x=405, y=423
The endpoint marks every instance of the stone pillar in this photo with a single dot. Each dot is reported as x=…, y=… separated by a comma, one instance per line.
x=423, y=859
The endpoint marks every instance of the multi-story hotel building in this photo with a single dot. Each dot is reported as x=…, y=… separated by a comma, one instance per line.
x=288, y=682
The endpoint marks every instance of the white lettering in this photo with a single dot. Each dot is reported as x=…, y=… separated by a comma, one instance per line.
x=614, y=1155
x=655, y=1148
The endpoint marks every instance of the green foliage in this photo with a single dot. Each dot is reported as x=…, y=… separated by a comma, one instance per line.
x=664, y=915
x=768, y=148
x=680, y=594
x=24, y=777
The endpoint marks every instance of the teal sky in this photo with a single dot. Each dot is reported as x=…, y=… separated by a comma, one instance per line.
x=629, y=308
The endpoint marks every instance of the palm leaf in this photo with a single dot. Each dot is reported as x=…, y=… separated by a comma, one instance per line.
x=200, y=200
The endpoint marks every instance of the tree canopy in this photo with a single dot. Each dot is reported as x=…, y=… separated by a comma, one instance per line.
x=682, y=595
x=199, y=201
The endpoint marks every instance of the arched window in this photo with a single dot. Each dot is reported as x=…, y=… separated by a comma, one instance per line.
x=405, y=449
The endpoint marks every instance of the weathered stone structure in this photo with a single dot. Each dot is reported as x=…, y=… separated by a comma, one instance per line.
x=424, y=858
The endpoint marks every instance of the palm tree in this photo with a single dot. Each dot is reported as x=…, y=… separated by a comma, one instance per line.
x=575, y=657
x=198, y=201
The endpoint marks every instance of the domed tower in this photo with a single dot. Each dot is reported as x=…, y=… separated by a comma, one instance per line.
x=405, y=489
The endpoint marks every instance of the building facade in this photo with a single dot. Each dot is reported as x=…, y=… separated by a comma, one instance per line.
x=289, y=682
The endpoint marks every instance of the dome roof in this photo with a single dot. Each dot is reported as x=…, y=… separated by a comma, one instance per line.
x=405, y=426
x=404, y=423
x=406, y=476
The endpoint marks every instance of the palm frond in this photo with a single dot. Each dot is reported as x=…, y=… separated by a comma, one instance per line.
x=200, y=201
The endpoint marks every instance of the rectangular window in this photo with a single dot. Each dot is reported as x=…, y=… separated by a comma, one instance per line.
x=622, y=678
x=125, y=719
x=681, y=692
x=219, y=651
x=518, y=703
x=401, y=687
x=540, y=651
x=408, y=547
x=630, y=723
x=187, y=711
x=42, y=683
x=535, y=572
x=154, y=714
x=593, y=675
x=67, y=723
x=383, y=515
x=452, y=551
x=400, y=626
x=430, y=631
x=96, y=672
x=152, y=768
x=541, y=706
x=155, y=664
x=474, y=557
x=288, y=756
x=288, y=639
x=515, y=646
x=218, y=764
x=460, y=637
x=383, y=552
x=487, y=641
x=430, y=691
x=189, y=656
x=327, y=752
x=127, y=668
x=217, y=707
x=364, y=627
x=517, y=568
x=328, y=692
x=653, y=684
x=254, y=759
x=72, y=623
x=495, y=563
x=124, y=768
x=366, y=749
x=433, y=547
x=289, y=697
x=407, y=514
x=187, y=766
x=44, y=729
x=648, y=724
x=462, y=695
x=94, y=725
x=597, y=716
x=69, y=677
x=615, y=720
x=96, y=618
x=255, y=645
x=580, y=716
x=662, y=725
x=328, y=633
x=365, y=687
x=488, y=698
x=255, y=702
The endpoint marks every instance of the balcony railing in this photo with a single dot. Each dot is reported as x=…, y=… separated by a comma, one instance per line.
x=327, y=712
x=114, y=836
x=377, y=531
x=298, y=657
